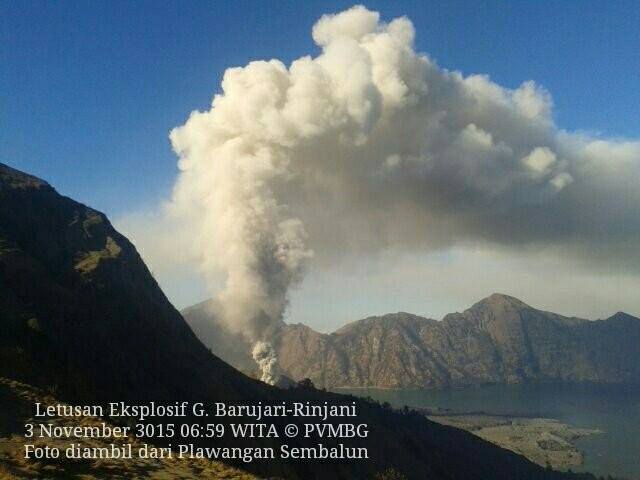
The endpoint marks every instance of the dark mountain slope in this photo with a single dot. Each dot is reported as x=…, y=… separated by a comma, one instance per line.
x=82, y=316
x=82, y=313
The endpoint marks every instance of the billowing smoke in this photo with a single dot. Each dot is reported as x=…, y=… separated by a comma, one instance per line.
x=371, y=146
x=265, y=356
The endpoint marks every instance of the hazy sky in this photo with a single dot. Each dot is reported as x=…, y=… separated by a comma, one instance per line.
x=91, y=90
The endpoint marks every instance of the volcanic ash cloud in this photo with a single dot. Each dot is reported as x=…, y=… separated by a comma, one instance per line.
x=265, y=356
x=370, y=146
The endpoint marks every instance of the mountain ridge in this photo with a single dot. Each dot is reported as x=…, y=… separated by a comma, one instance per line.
x=499, y=339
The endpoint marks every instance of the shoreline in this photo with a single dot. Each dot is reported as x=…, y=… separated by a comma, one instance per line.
x=545, y=441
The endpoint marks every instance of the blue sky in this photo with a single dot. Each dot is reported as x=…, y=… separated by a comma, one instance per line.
x=90, y=89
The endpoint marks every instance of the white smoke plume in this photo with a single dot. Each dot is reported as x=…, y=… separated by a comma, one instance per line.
x=371, y=146
x=265, y=356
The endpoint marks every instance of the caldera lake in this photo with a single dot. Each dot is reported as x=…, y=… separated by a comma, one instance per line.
x=611, y=409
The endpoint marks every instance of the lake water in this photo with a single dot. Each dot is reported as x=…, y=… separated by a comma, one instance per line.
x=615, y=411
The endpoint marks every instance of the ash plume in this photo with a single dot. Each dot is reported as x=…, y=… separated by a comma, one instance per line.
x=265, y=356
x=371, y=146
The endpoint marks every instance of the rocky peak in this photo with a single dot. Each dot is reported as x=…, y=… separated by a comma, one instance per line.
x=499, y=302
x=622, y=317
x=14, y=179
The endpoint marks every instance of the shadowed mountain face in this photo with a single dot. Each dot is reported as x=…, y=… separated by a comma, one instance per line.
x=498, y=340
x=82, y=317
x=80, y=311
